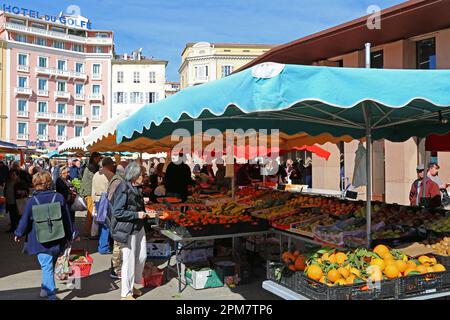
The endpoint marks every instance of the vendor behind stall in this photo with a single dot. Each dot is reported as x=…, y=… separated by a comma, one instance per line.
x=178, y=178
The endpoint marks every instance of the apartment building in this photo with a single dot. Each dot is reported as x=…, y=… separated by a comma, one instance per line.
x=172, y=88
x=137, y=80
x=203, y=61
x=58, y=79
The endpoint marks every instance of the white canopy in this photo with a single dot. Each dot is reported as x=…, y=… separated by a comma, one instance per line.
x=74, y=144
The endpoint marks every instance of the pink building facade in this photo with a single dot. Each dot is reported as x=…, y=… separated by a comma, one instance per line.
x=58, y=80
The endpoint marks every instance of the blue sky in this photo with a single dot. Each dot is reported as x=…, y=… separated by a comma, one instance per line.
x=163, y=27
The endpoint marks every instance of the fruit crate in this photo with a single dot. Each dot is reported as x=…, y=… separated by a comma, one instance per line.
x=422, y=284
x=314, y=290
x=288, y=277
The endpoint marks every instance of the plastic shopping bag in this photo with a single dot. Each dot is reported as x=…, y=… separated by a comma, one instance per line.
x=62, y=269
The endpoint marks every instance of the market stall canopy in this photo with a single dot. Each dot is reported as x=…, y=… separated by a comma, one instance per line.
x=8, y=147
x=76, y=144
x=437, y=142
x=320, y=152
x=393, y=104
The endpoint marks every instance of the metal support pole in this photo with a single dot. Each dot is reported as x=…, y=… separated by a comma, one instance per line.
x=367, y=114
x=369, y=180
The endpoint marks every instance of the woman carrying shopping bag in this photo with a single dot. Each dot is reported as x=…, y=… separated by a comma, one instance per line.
x=47, y=237
x=127, y=227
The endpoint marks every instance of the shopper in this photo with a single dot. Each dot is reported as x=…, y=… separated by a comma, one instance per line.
x=15, y=191
x=66, y=189
x=75, y=169
x=157, y=182
x=128, y=229
x=46, y=253
x=433, y=194
x=116, y=258
x=100, y=183
x=86, y=188
x=243, y=176
x=4, y=173
x=433, y=171
x=54, y=171
x=178, y=178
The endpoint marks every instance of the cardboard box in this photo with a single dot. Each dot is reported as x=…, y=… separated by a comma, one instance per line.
x=202, y=278
x=158, y=249
x=196, y=244
x=196, y=255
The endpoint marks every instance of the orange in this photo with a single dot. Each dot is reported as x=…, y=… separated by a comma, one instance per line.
x=387, y=256
x=422, y=269
x=333, y=275
x=341, y=258
x=411, y=264
x=300, y=263
x=355, y=272
x=424, y=259
x=381, y=250
x=438, y=268
x=296, y=253
x=323, y=280
x=340, y=282
x=325, y=256
x=292, y=267
x=409, y=270
x=332, y=258
x=433, y=260
x=401, y=265
x=391, y=271
x=378, y=262
x=314, y=272
x=344, y=272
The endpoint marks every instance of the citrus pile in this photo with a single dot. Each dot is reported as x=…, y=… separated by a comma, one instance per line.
x=333, y=267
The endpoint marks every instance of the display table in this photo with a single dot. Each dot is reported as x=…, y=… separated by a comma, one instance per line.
x=288, y=294
x=177, y=239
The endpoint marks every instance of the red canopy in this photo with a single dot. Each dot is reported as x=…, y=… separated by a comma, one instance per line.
x=313, y=149
x=436, y=142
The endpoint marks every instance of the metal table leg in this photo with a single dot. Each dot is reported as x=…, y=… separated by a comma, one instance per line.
x=178, y=263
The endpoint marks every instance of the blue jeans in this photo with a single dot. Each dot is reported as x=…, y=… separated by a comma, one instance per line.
x=103, y=241
x=47, y=263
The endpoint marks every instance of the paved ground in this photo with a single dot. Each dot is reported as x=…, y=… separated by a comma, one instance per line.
x=20, y=279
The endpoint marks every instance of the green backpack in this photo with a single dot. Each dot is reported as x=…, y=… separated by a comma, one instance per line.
x=48, y=221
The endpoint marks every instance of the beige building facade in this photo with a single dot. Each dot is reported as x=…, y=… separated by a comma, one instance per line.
x=3, y=80
x=203, y=61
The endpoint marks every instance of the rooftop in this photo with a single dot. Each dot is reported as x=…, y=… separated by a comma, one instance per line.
x=403, y=21
x=231, y=45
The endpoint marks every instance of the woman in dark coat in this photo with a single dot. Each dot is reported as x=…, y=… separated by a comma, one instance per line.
x=47, y=253
x=66, y=189
x=127, y=228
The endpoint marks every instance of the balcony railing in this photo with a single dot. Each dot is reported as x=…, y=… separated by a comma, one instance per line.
x=23, y=68
x=61, y=138
x=79, y=96
x=42, y=93
x=95, y=97
x=96, y=117
x=23, y=90
x=79, y=118
x=62, y=116
x=23, y=114
x=22, y=136
x=61, y=73
x=42, y=137
x=44, y=115
x=58, y=35
x=96, y=76
x=62, y=95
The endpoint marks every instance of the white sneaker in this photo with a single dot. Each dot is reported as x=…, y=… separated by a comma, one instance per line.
x=43, y=293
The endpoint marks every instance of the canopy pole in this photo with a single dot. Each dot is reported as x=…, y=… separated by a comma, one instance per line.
x=425, y=177
x=233, y=188
x=368, y=158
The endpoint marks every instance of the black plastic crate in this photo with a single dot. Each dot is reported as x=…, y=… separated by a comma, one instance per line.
x=197, y=231
x=288, y=277
x=386, y=290
x=422, y=284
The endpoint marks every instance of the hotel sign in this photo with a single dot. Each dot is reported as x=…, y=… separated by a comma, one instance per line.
x=68, y=21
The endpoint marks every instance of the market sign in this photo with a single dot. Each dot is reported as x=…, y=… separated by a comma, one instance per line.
x=70, y=22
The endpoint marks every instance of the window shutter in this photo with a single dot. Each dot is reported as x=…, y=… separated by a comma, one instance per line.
x=147, y=97
x=141, y=97
x=156, y=96
x=125, y=97
x=116, y=97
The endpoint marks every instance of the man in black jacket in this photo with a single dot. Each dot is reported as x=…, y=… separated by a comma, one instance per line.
x=178, y=178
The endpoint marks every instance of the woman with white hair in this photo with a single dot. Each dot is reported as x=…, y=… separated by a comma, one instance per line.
x=127, y=228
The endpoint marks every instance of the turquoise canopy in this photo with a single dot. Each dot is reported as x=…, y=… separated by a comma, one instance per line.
x=370, y=103
x=393, y=104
